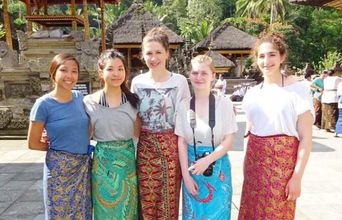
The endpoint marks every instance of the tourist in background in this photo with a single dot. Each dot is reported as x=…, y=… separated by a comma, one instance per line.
x=61, y=113
x=205, y=134
x=329, y=101
x=160, y=92
x=114, y=122
x=279, y=128
x=220, y=85
x=338, y=129
x=317, y=88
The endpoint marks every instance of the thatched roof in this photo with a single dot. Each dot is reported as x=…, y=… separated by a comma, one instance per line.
x=227, y=37
x=220, y=60
x=131, y=27
x=331, y=3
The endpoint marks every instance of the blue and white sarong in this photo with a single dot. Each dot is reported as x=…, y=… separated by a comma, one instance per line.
x=214, y=197
x=67, y=189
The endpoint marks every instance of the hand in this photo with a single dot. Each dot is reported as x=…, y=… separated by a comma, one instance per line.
x=293, y=188
x=44, y=138
x=199, y=166
x=190, y=185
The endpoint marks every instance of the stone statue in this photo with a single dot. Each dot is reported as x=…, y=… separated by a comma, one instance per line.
x=8, y=57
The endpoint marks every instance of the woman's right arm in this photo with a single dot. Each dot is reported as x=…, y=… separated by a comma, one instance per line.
x=34, y=136
x=190, y=184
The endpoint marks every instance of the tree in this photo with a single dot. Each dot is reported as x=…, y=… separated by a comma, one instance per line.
x=274, y=9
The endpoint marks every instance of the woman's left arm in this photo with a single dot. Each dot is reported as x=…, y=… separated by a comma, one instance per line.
x=202, y=164
x=304, y=128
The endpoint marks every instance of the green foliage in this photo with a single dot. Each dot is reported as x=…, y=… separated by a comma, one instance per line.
x=194, y=34
x=328, y=61
x=208, y=10
x=272, y=10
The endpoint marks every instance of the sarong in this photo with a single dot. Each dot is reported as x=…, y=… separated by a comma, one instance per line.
x=68, y=189
x=114, y=181
x=268, y=166
x=214, y=197
x=318, y=112
x=159, y=175
x=329, y=115
x=338, y=129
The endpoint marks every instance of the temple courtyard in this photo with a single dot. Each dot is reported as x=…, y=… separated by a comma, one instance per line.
x=21, y=172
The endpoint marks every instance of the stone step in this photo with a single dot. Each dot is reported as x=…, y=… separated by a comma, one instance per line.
x=46, y=53
x=50, y=43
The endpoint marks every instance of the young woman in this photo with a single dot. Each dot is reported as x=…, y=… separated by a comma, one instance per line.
x=205, y=125
x=67, y=165
x=158, y=168
x=279, y=124
x=113, y=115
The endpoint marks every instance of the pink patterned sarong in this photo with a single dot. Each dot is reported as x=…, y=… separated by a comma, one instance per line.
x=268, y=166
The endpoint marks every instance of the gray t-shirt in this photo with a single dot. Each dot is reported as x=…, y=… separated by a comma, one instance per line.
x=110, y=123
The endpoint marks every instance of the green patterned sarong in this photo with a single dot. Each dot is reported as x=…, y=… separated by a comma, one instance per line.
x=114, y=181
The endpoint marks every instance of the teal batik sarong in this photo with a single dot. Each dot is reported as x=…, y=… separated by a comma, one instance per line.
x=114, y=181
x=214, y=197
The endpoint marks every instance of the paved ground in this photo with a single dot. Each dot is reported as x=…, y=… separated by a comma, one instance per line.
x=21, y=179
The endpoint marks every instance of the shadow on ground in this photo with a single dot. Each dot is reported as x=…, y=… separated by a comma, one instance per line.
x=21, y=190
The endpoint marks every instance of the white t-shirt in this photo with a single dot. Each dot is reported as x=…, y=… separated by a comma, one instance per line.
x=159, y=100
x=225, y=122
x=330, y=89
x=273, y=110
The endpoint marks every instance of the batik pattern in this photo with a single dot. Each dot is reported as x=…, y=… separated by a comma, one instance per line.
x=68, y=185
x=158, y=175
x=269, y=165
x=114, y=181
x=157, y=108
x=213, y=200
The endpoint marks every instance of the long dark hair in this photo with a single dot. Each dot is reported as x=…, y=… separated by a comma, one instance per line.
x=112, y=54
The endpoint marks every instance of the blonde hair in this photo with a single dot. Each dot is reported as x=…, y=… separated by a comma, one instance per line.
x=204, y=59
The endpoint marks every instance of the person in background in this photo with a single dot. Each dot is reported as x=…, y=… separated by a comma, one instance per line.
x=338, y=129
x=160, y=92
x=317, y=88
x=220, y=85
x=205, y=134
x=279, y=128
x=329, y=101
x=67, y=190
x=307, y=79
x=114, y=122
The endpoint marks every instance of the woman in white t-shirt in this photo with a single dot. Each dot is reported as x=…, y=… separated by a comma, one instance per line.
x=279, y=123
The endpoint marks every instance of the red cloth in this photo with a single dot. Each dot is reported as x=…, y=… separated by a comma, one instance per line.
x=159, y=175
x=269, y=164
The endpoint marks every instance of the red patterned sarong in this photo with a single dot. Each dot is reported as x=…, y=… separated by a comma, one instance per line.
x=268, y=166
x=159, y=175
